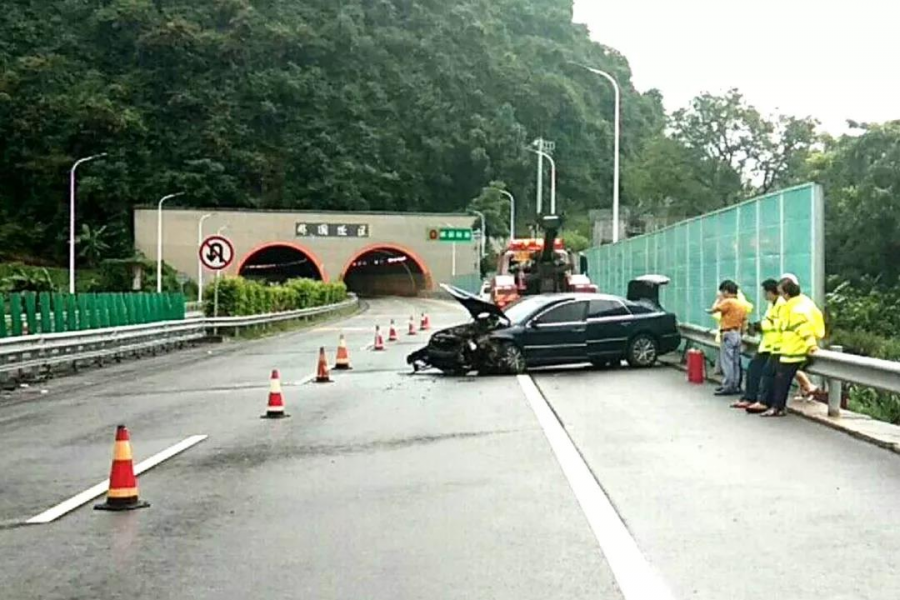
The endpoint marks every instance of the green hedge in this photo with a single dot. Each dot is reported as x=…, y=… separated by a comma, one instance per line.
x=242, y=297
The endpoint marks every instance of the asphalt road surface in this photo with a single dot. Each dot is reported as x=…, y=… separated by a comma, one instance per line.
x=390, y=485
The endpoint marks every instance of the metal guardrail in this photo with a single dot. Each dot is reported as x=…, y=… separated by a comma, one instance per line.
x=833, y=365
x=31, y=352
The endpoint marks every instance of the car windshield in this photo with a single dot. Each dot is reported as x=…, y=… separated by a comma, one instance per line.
x=520, y=310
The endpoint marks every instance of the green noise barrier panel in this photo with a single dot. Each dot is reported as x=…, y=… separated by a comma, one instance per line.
x=761, y=238
x=47, y=313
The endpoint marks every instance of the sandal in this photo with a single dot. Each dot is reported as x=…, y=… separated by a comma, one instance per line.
x=741, y=404
x=773, y=412
x=757, y=408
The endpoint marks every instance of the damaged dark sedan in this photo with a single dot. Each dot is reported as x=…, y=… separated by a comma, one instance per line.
x=554, y=329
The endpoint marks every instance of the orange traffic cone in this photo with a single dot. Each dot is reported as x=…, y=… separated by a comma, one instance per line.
x=379, y=341
x=123, y=487
x=322, y=375
x=392, y=334
x=276, y=400
x=426, y=323
x=412, y=325
x=342, y=361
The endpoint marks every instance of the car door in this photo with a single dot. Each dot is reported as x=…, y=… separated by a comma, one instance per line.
x=609, y=326
x=558, y=335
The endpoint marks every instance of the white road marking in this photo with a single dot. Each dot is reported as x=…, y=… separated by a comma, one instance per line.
x=89, y=494
x=636, y=578
x=304, y=381
x=367, y=346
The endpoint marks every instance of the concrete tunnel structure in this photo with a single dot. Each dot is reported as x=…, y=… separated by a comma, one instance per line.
x=375, y=254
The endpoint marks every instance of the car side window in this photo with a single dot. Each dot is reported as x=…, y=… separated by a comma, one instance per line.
x=573, y=312
x=606, y=308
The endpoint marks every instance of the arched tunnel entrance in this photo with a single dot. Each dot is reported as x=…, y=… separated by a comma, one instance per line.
x=277, y=263
x=386, y=271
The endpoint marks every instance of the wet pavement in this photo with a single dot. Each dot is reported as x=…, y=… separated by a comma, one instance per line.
x=386, y=484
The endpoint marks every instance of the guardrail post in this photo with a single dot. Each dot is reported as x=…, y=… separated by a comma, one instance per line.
x=835, y=390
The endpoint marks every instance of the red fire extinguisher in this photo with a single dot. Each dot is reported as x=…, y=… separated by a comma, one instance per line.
x=696, y=366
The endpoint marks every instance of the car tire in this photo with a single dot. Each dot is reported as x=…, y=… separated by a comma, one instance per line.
x=511, y=360
x=643, y=350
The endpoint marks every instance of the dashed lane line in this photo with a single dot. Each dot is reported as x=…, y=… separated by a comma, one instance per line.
x=636, y=578
x=89, y=494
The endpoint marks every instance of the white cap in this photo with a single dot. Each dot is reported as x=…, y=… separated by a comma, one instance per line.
x=792, y=277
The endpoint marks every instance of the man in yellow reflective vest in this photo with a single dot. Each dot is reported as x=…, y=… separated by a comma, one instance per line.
x=761, y=372
x=798, y=326
x=807, y=389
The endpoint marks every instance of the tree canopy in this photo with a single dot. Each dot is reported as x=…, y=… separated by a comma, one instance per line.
x=325, y=104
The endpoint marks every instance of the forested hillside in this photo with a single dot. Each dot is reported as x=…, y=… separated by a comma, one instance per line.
x=331, y=104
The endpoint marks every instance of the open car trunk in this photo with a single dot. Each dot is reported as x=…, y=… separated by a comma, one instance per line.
x=646, y=289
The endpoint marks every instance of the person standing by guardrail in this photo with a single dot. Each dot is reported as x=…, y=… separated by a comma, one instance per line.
x=798, y=342
x=761, y=371
x=734, y=314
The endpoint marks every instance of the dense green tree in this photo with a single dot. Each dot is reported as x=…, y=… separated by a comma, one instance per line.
x=861, y=176
x=717, y=151
x=347, y=104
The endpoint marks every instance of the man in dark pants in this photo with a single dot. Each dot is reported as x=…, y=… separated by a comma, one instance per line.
x=733, y=312
x=798, y=341
x=762, y=368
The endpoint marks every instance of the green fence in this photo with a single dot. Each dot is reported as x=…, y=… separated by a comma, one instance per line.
x=749, y=242
x=31, y=313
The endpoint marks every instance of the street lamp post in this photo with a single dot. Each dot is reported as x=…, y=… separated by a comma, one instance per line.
x=483, y=232
x=78, y=162
x=552, y=178
x=512, y=214
x=200, y=262
x=159, y=239
x=216, y=289
x=539, y=144
x=617, y=126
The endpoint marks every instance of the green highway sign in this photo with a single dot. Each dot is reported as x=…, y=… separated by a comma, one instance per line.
x=449, y=234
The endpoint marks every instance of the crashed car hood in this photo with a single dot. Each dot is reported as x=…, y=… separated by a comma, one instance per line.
x=475, y=305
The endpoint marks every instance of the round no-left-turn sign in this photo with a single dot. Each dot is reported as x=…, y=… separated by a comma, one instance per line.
x=216, y=253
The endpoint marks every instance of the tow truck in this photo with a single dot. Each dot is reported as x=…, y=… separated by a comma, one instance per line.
x=533, y=266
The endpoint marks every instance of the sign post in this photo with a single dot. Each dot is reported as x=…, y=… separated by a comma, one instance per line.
x=216, y=254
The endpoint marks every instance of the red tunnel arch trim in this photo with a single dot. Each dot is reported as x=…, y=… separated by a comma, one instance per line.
x=423, y=266
x=294, y=246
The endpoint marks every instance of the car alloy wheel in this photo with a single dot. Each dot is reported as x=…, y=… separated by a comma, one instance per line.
x=512, y=361
x=642, y=351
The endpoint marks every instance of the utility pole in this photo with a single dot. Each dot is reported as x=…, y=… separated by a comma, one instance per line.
x=543, y=154
x=512, y=214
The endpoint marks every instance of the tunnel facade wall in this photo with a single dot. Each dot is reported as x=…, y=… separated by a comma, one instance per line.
x=251, y=230
x=762, y=238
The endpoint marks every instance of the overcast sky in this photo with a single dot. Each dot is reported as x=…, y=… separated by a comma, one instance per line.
x=830, y=59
